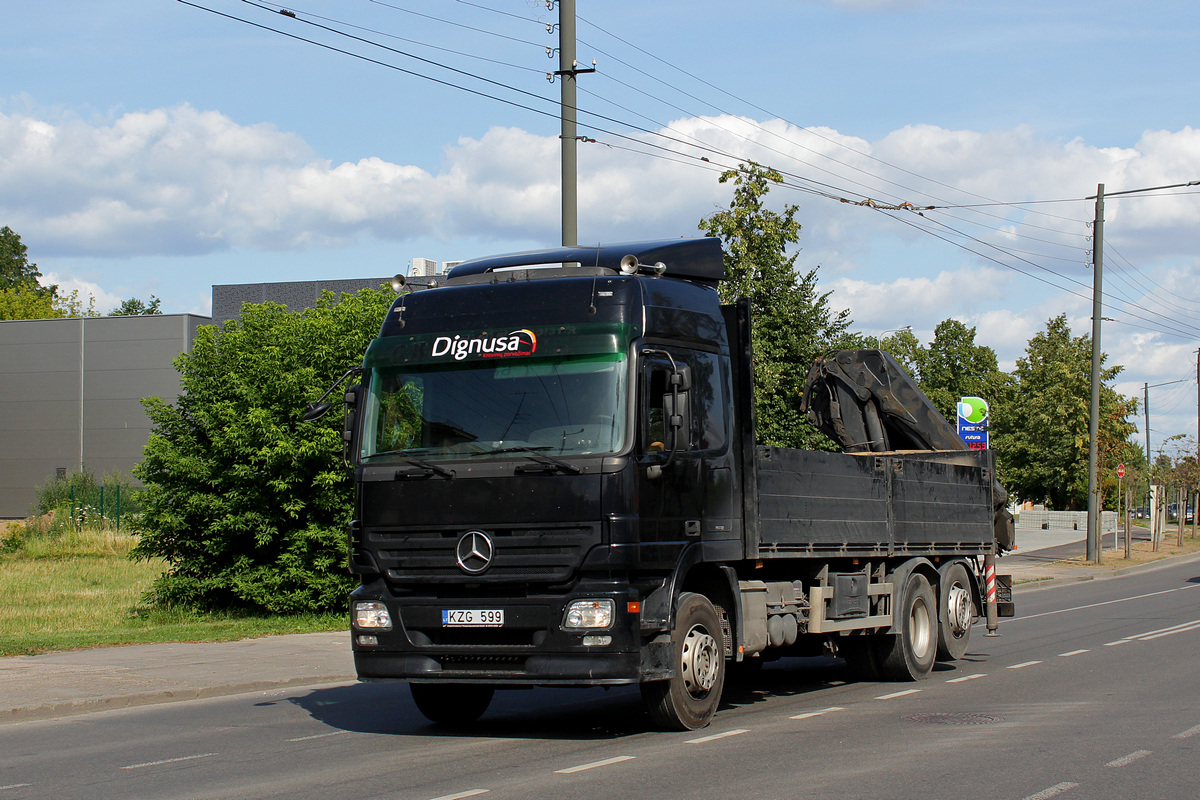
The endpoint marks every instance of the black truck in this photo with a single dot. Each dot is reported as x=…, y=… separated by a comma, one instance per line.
x=558, y=484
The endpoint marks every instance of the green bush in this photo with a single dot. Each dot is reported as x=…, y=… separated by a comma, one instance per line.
x=245, y=502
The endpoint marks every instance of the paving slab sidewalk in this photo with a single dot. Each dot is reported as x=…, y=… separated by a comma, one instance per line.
x=81, y=681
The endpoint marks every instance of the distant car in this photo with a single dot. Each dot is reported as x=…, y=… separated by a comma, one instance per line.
x=1141, y=512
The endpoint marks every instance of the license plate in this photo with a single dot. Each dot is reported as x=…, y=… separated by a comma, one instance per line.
x=472, y=618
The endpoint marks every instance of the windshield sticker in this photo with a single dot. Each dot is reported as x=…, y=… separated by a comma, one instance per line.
x=522, y=342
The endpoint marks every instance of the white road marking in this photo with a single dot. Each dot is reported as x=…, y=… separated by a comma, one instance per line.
x=809, y=714
x=1023, y=665
x=1158, y=633
x=593, y=765
x=1190, y=732
x=318, y=736
x=1097, y=605
x=716, y=736
x=1129, y=759
x=15, y=786
x=965, y=678
x=894, y=695
x=1184, y=628
x=1073, y=653
x=461, y=795
x=169, y=761
x=1056, y=789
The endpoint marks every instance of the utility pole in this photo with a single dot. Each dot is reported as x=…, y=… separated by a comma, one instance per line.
x=568, y=111
x=568, y=69
x=1094, y=517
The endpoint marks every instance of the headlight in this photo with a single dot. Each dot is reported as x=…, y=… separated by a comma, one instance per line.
x=372, y=616
x=588, y=615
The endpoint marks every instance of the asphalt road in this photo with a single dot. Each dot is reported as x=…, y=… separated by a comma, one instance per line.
x=1091, y=693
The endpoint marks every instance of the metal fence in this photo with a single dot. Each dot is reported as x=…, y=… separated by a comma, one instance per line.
x=99, y=504
x=1032, y=519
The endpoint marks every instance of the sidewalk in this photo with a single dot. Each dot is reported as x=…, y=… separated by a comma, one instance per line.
x=82, y=681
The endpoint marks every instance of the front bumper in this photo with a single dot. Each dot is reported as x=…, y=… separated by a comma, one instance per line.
x=530, y=649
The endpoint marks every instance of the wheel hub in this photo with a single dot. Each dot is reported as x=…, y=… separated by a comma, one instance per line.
x=958, y=609
x=701, y=661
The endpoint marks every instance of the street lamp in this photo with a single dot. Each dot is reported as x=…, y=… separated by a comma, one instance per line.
x=1093, y=518
x=879, y=339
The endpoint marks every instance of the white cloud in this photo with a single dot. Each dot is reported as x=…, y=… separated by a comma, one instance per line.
x=90, y=293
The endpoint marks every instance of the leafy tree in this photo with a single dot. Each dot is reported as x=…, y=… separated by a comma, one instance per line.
x=952, y=367
x=1040, y=428
x=247, y=503
x=21, y=302
x=15, y=269
x=792, y=321
x=133, y=307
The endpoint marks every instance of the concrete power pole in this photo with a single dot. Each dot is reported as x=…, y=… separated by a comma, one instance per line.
x=568, y=69
x=1093, y=517
x=570, y=141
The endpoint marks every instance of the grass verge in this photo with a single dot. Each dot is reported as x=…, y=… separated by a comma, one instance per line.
x=82, y=590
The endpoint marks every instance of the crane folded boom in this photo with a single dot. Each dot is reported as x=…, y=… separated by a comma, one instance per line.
x=864, y=400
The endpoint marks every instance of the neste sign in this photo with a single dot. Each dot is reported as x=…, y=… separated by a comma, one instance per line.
x=973, y=422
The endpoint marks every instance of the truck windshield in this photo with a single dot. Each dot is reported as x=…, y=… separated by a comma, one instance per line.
x=566, y=406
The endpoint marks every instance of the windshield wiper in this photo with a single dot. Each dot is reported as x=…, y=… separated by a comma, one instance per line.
x=532, y=452
x=434, y=468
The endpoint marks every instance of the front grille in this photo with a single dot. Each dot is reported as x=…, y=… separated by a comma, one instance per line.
x=521, y=554
x=476, y=663
x=479, y=637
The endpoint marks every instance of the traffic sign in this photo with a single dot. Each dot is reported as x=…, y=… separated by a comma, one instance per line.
x=1120, y=470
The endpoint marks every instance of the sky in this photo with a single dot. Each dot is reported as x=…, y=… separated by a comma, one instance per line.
x=159, y=147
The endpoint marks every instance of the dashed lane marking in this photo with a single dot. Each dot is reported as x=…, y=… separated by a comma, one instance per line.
x=1190, y=732
x=1054, y=790
x=461, y=795
x=966, y=678
x=318, y=736
x=15, y=786
x=594, y=764
x=808, y=714
x=716, y=736
x=1023, y=665
x=1183, y=627
x=1129, y=759
x=894, y=695
x=1073, y=653
x=169, y=761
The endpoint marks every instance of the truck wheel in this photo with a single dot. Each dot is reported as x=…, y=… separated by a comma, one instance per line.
x=689, y=700
x=909, y=654
x=955, y=613
x=451, y=704
x=861, y=654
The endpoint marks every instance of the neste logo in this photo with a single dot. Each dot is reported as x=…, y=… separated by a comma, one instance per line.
x=521, y=342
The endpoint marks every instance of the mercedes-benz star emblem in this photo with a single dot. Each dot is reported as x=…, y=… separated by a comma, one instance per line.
x=474, y=552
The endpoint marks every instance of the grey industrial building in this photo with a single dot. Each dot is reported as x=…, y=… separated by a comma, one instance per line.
x=71, y=389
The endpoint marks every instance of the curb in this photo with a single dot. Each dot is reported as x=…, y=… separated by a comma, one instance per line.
x=70, y=708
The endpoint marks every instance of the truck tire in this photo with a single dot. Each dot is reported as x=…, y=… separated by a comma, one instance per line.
x=451, y=704
x=956, y=611
x=861, y=654
x=908, y=655
x=689, y=700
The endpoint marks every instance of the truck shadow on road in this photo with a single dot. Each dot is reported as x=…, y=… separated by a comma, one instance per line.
x=556, y=714
x=536, y=713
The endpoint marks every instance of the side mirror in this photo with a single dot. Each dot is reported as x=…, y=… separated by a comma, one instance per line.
x=314, y=411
